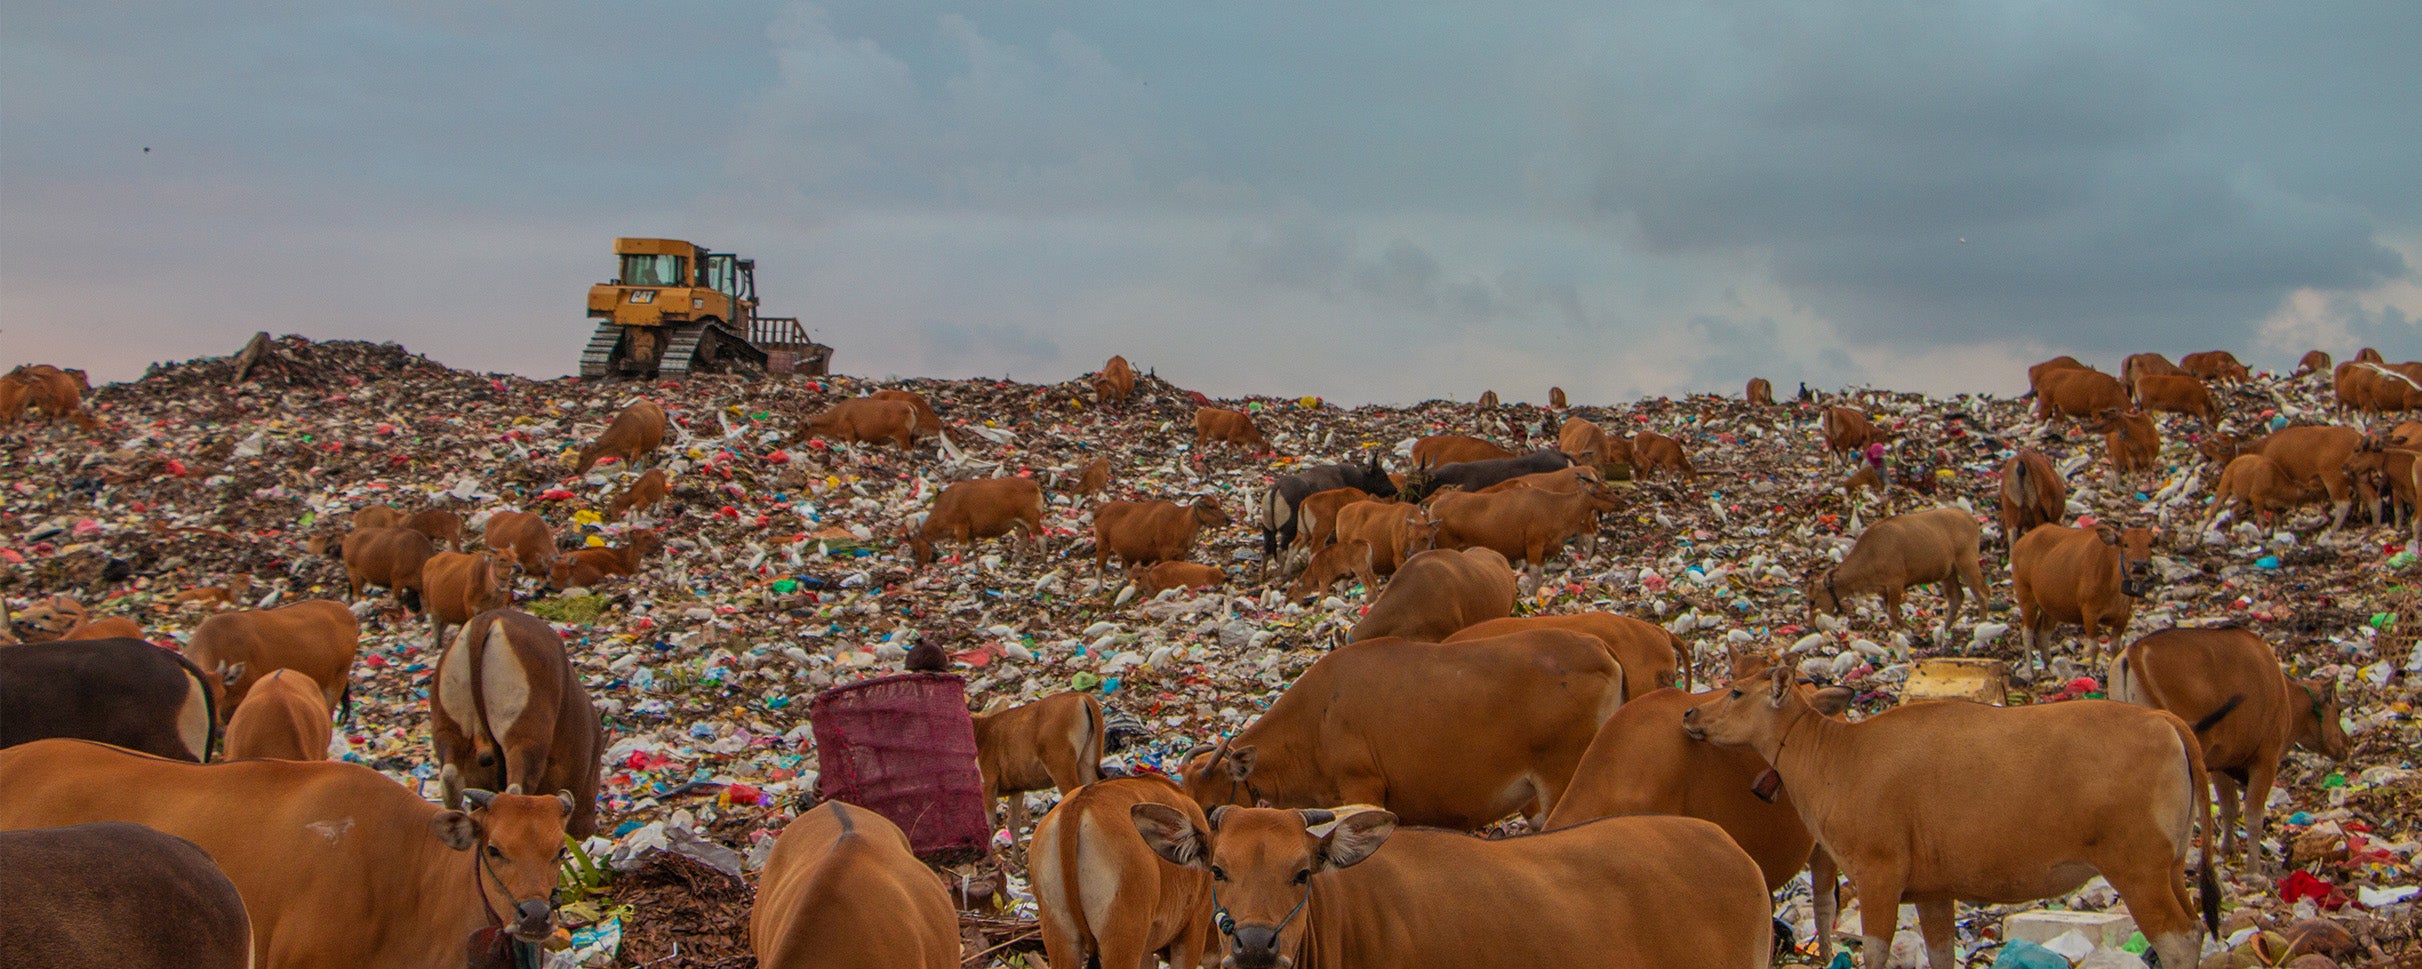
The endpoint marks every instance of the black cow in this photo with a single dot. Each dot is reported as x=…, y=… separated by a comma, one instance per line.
x=117, y=894
x=1475, y=475
x=116, y=691
x=1278, y=505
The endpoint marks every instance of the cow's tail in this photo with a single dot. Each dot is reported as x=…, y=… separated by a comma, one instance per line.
x=2199, y=787
x=1274, y=513
x=2211, y=719
x=346, y=699
x=486, y=751
x=1682, y=653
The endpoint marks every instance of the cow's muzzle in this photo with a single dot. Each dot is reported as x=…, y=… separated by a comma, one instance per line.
x=2137, y=582
x=534, y=920
x=1255, y=947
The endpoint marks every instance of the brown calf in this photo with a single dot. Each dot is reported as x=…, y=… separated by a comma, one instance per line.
x=1093, y=479
x=842, y=890
x=2245, y=711
x=1394, y=530
x=2091, y=577
x=1153, y=580
x=2315, y=361
x=1652, y=657
x=1555, y=397
x=387, y=557
x=1226, y=426
x=1115, y=382
x=1611, y=894
x=2075, y=789
x=1455, y=736
x=507, y=713
x=1523, y=524
x=2037, y=373
x=1760, y=391
x=2032, y=494
x=317, y=638
x=586, y=567
x=1654, y=452
x=642, y=495
x=2079, y=393
x=929, y=424
x=1587, y=444
x=969, y=511
x=634, y=434
x=1316, y=518
x=2141, y=365
x=1147, y=532
x=1437, y=592
x=441, y=526
x=1488, y=400
x=456, y=586
x=1332, y=563
x=1438, y=449
x=2130, y=440
x=1105, y=897
x=2215, y=365
x=522, y=538
x=1052, y=743
x=378, y=516
x=2177, y=394
x=286, y=720
x=1938, y=545
x=864, y=420
x=1846, y=431
x=2253, y=486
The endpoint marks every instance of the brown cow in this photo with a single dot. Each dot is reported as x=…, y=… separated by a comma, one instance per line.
x=969, y=511
x=642, y=495
x=1846, y=431
x=864, y=420
x=1092, y=480
x=2228, y=683
x=1455, y=736
x=1052, y=743
x=107, y=627
x=523, y=539
x=2032, y=494
x=317, y=638
x=441, y=526
x=1106, y=898
x=1653, y=658
x=1155, y=579
x=2130, y=440
x=1938, y=545
x=1317, y=517
x=14, y=396
x=1563, y=481
x=2253, y=486
x=2177, y=394
x=634, y=434
x=1226, y=426
x=121, y=896
x=1587, y=444
x=2141, y=365
x=1523, y=524
x=228, y=595
x=2215, y=365
x=1555, y=397
x=2037, y=373
x=2091, y=577
x=1617, y=893
x=456, y=586
x=1394, y=530
x=1146, y=532
x=1332, y=563
x=1114, y=383
x=117, y=691
x=388, y=557
x=1437, y=592
x=1488, y=400
x=378, y=516
x=2077, y=789
x=46, y=620
x=1760, y=392
x=843, y=891
x=505, y=709
x=57, y=394
x=588, y=566
x=1654, y=452
x=337, y=864
x=1438, y=449
x=287, y=720
x=2079, y=393
x=929, y=424
x=2315, y=361
x=2315, y=457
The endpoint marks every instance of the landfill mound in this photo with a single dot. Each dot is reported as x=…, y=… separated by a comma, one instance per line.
x=783, y=576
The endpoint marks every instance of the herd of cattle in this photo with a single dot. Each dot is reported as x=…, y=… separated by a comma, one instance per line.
x=1334, y=830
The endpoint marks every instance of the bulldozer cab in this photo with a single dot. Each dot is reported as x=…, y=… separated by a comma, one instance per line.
x=674, y=307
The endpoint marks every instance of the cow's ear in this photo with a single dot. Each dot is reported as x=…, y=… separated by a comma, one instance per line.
x=1168, y=833
x=229, y=673
x=570, y=803
x=1832, y=701
x=1779, y=681
x=2109, y=535
x=455, y=829
x=1240, y=762
x=1355, y=837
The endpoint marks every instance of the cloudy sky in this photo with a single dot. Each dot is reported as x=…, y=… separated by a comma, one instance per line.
x=1362, y=200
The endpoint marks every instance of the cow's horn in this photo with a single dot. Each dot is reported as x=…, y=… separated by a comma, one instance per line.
x=1315, y=817
x=479, y=798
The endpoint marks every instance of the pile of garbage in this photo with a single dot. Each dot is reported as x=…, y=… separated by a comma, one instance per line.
x=783, y=575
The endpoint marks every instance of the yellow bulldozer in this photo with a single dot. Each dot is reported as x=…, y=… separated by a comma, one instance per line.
x=675, y=309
